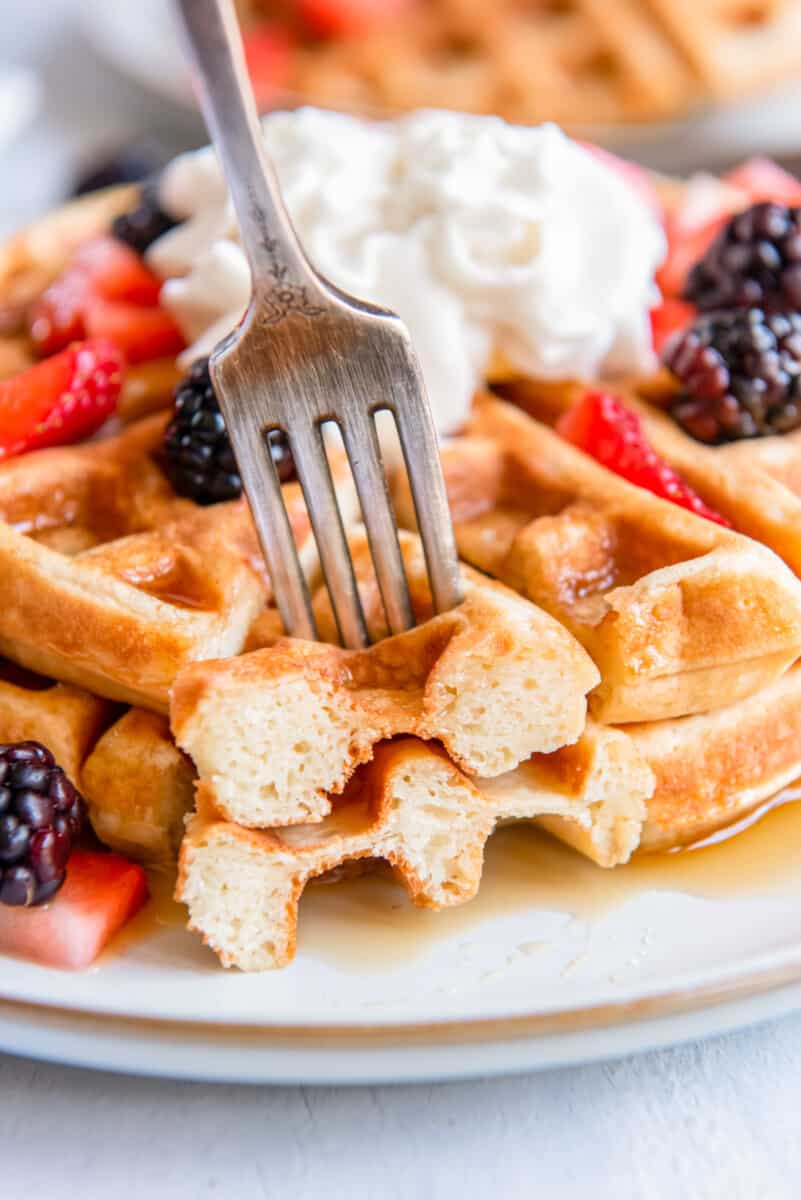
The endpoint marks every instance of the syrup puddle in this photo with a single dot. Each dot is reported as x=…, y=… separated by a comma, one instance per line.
x=367, y=923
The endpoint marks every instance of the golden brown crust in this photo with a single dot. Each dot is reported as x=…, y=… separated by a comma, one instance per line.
x=712, y=769
x=678, y=613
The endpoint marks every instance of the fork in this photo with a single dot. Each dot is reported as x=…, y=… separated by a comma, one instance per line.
x=306, y=354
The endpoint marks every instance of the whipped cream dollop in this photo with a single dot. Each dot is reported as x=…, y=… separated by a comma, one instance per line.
x=486, y=238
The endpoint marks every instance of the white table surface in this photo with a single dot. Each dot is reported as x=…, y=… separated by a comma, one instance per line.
x=715, y=1120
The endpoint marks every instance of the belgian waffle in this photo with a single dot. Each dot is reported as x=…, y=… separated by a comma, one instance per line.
x=575, y=62
x=679, y=614
x=110, y=581
x=310, y=756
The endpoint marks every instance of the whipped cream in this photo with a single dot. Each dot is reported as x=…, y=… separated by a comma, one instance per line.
x=485, y=238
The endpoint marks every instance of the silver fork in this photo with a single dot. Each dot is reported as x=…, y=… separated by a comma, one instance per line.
x=306, y=354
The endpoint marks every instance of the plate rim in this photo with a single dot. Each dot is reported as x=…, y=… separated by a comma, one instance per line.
x=254, y=1056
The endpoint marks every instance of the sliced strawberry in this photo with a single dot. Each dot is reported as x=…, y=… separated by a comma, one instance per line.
x=268, y=52
x=63, y=399
x=103, y=267
x=602, y=426
x=763, y=179
x=141, y=334
x=348, y=18
x=684, y=251
x=101, y=892
x=668, y=318
x=636, y=176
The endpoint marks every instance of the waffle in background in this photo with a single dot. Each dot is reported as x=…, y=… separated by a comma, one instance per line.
x=577, y=62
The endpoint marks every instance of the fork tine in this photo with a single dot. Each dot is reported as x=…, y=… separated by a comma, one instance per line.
x=270, y=517
x=418, y=440
x=314, y=473
x=364, y=453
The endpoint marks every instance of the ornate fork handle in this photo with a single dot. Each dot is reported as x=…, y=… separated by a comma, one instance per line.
x=284, y=280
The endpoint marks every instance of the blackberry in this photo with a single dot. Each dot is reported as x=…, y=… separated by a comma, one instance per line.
x=740, y=373
x=200, y=461
x=40, y=815
x=142, y=225
x=755, y=261
x=133, y=163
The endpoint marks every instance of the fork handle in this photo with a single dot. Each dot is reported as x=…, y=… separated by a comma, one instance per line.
x=226, y=97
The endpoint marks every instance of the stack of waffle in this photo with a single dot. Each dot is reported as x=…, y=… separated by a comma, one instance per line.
x=575, y=62
x=620, y=671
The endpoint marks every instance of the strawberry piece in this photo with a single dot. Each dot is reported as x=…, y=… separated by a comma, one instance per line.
x=602, y=426
x=102, y=268
x=635, y=176
x=268, y=53
x=668, y=318
x=684, y=251
x=141, y=334
x=761, y=179
x=101, y=892
x=348, y=18
x=61, y=400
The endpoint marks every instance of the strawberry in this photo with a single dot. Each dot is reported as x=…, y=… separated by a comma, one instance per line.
x=602, y=426
x=684, y=251
x=635, y=176
x=267, y=54
x=102, y=269
x=63, y=399
x=668, y=318
x=141, y=334
x=348, y=18
x=762, y=179
x=101, y=892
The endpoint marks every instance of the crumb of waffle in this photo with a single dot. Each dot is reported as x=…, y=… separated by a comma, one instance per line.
x=413, y=808
x=495, y=681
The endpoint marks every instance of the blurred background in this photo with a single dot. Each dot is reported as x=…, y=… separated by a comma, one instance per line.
x=95, y=90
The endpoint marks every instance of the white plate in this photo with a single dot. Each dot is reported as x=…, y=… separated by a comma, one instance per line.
x=556, y=961
x=140, y=38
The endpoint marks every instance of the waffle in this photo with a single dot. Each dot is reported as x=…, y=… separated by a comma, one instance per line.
x=755, y=484
x=139, y=788
x=110, y=581
x=415, y=810
x=494, y=681
x=680, y=615
x=576, y=62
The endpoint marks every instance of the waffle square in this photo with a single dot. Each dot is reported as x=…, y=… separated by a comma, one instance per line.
x=679, y=614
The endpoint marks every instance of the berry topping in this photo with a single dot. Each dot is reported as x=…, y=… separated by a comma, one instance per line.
x=667, y=319
x=105, y=291
x=140, y=227
x=40, y=814
x=348, y=18
x=740, y=374
x=754, y=260
x=60, y=400
x=603, y=427
x=200, y=461
x=267, y=54
x=130, y=164
x=101, y=892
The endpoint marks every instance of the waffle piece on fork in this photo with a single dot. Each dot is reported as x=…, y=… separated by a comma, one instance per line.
x=494, y=680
